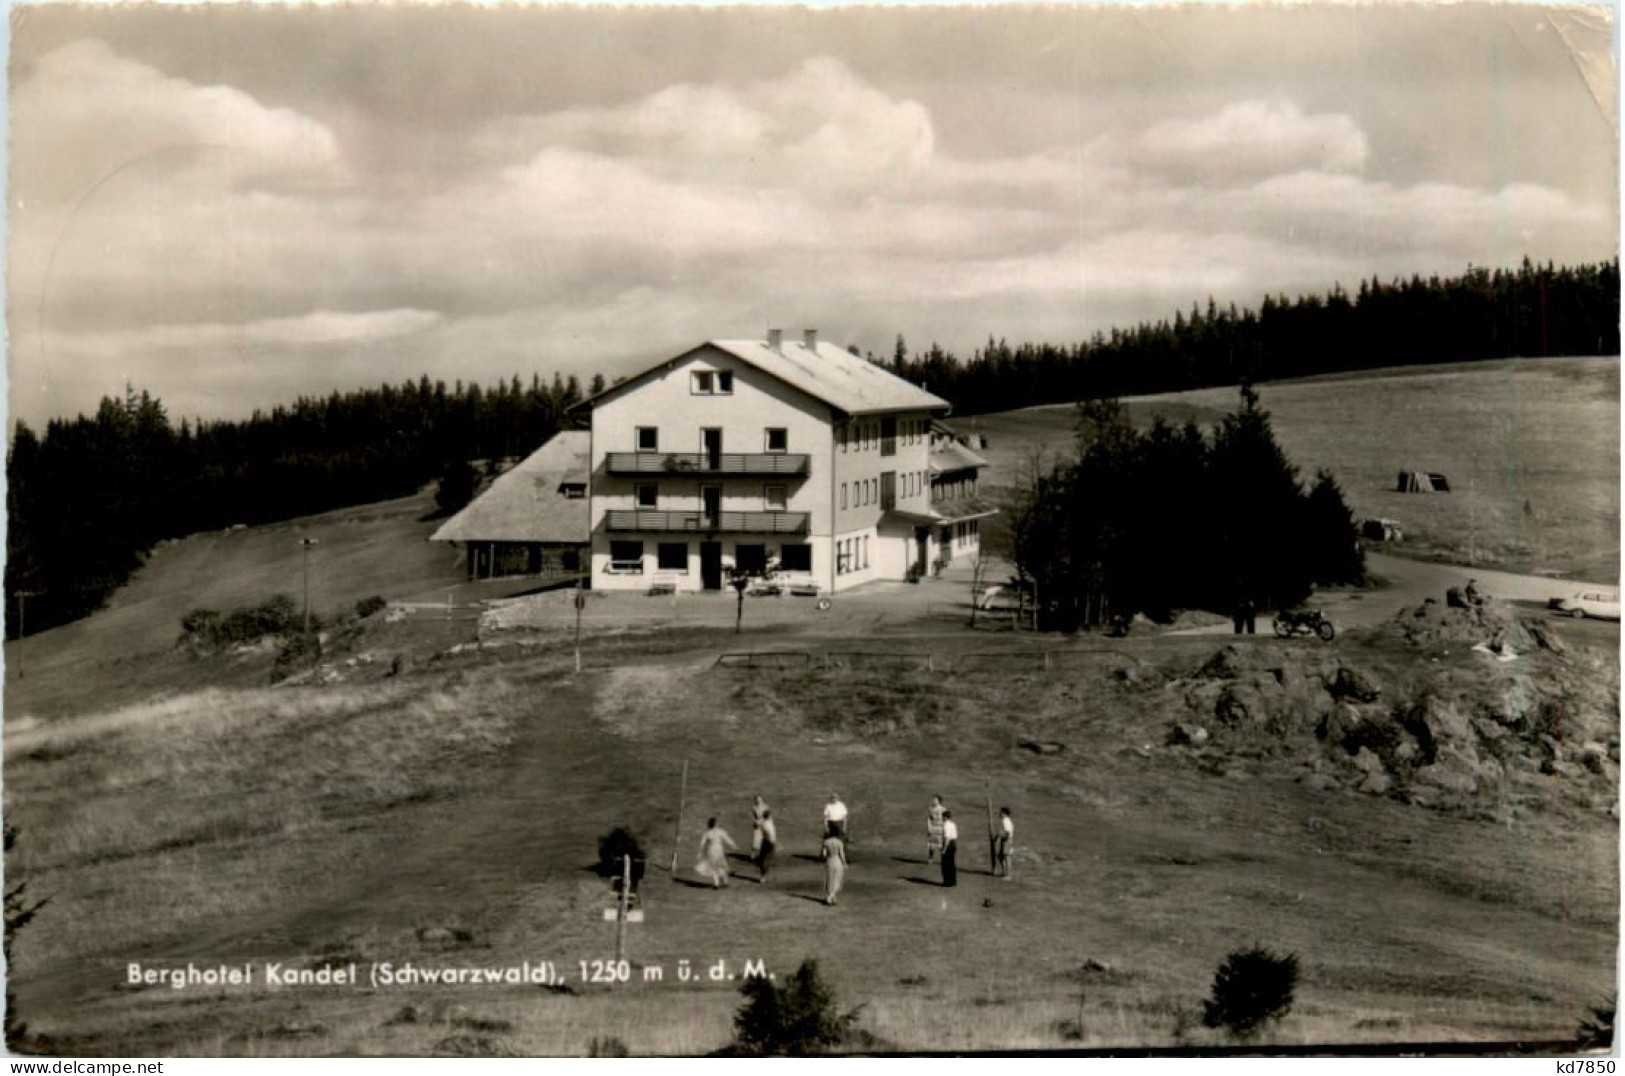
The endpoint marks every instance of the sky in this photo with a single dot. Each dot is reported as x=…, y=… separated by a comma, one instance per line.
x=234, y=206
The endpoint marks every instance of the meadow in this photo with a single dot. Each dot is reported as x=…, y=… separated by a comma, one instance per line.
x=1531, y=448
x=439, y=800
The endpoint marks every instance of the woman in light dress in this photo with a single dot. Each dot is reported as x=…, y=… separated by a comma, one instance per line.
x=834, y=856
x=714, y=848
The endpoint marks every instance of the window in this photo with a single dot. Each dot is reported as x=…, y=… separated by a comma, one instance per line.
x=863, y=543
x=711, y=382
x=673, y=556
x=842, y=564
x=626, y=558
x=751, y=559
x=778, y=439
x=843, y=494
x=773, y=498
x=888, y=436
x=888, y=490
x=648, y=496
x=648, y=439
x=795, y=558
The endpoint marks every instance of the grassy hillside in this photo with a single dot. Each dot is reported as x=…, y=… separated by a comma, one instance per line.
x=127, y=650
x=448, y=816
x=1531, y=447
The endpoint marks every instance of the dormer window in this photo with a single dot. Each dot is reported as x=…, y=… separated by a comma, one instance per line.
x=711, y=382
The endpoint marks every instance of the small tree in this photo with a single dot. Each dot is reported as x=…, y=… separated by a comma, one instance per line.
x=1251, y=988
x=1332, y=535
x=456, y=486
x=20, y=911
x=799, y=1017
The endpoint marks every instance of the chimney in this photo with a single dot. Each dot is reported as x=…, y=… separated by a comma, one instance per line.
x=809, y=339
x=775, y=339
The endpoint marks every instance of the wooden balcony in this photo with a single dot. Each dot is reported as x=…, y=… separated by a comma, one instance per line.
x=653, y=521
x=707, y=464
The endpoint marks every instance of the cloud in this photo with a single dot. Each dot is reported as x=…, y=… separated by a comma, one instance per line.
x=85, y=112
x=1243, y=140
x=588, y=238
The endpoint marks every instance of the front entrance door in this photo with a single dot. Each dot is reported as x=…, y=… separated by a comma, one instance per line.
x=711, y=565
x=922, y=555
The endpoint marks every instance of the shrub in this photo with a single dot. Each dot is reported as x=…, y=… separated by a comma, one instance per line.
x=274, y=616
x=299, y=650
x=1251, y=988
x=619, y=842
x=368, y=606
x=609, y=1046
x=201, y=624
x=1596, y=1030
x=799, y=1017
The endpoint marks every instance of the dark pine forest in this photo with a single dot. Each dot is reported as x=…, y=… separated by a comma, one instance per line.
x=89, y=497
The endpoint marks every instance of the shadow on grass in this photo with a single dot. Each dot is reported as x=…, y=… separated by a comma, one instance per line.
x=804, y=896
x=922, y=881
x=693, y=883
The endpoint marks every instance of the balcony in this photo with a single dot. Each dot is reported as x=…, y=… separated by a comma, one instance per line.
x=707, y=463
x=649, y=520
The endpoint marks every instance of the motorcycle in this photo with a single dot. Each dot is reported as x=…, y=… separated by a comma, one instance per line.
x=1290, y=622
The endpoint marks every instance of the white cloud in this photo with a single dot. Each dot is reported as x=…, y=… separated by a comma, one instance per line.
x=85, y=112
x=1243, y=140
x=587, y=238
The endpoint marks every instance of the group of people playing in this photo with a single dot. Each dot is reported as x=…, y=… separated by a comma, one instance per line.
x=942, y=845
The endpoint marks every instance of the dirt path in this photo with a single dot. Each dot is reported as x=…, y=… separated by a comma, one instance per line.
x=1409, y=582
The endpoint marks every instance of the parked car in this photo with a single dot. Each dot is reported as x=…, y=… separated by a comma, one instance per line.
x=1602, y=604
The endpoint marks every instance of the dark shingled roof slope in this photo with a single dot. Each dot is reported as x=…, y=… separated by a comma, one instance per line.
x=526, y=504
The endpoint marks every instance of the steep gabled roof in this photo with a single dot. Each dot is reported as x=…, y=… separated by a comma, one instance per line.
x=953, y=456
x=527, y=504
x=832, y=374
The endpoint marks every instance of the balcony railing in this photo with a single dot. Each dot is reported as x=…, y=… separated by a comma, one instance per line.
x=708, y=463
x=647, y=520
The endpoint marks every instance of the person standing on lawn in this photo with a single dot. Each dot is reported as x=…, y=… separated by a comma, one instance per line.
x=834, y=856
x=1003, y=843
x=758, y=811
x=933, y=829
x=769, y=842
x=714, y=848
x=950, y=850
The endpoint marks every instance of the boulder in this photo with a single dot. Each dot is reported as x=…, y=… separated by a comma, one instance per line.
x=1340, y=721
x=1376, y=784
x=1366, y=761
x=1182, y=733
x=1594, y=757
x=1353, y=685
x=1320, y=782
x=1442, y=721
x=1227, y=664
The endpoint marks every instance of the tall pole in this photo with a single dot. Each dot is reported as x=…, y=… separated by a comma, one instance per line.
x=992, y=841
x=580, y=600
x=682, y=796
x=307, y=543
x=620, y=911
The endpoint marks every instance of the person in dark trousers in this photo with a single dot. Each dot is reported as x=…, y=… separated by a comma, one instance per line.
x=950, y=850
x=1245, y=617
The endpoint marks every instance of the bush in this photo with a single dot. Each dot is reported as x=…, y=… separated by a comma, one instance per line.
x=609, y=1046
x=799, y=1017
x=274, y=616
x=1596, y=1031
x=201, y=623
x=300, y=650
x=615, y=844
x=1251, y=988
x=368, y=606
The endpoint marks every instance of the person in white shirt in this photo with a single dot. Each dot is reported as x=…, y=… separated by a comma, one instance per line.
x=1003, y=843
x=950, y=849
x=835, y=817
